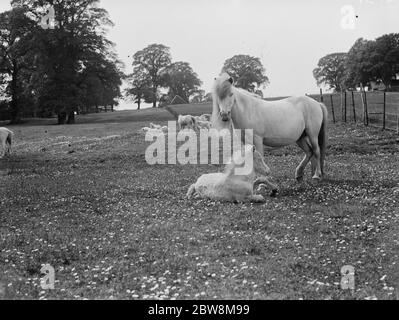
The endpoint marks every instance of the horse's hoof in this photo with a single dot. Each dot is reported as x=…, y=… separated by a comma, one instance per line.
x=316, y=180
x=273, y=194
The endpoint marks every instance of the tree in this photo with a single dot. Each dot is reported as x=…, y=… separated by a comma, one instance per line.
x=331, y=71
x=100, y=82
x=16, y=57
x=208, y=97
x=247, y=72
x=360, y=64
x=140, y=87
x=386, y=57
x=198, y=97
x=74, y=59
x=152, y=60
x=181, y=80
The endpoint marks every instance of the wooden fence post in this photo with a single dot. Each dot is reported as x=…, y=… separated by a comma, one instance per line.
x=366, y=108
x=321, y=95
x=363, y=107
x=383, y=110
x=345, y=107
x=353, y=106
x=332, y=107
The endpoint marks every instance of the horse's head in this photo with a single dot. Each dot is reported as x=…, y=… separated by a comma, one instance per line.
x=224, y=95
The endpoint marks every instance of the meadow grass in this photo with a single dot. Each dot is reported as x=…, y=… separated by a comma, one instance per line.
x=83, y=199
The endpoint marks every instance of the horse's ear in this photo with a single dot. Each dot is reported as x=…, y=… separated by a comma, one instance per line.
x=231, y=80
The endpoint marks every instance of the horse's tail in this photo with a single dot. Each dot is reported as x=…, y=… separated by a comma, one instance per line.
x=190, y=191
x=323, y=138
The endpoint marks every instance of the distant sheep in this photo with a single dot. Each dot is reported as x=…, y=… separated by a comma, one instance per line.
x=194, y=122
x=155, y=129
x=205, y=117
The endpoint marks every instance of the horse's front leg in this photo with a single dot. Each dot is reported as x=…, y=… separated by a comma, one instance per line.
x=258, y=142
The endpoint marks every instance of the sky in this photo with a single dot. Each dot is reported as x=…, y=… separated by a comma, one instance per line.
x=288, y=36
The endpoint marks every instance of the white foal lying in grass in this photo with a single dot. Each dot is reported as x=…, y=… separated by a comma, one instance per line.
x=5, y=141
x=229, y=186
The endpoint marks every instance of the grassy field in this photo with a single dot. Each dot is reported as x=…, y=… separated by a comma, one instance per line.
x=83, y=199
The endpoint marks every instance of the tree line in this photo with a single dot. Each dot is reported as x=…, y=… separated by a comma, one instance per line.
x=367, y=61
x=153, y=70
x=69, y=66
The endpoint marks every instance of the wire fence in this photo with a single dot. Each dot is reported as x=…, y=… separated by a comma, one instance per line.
x=372, y=108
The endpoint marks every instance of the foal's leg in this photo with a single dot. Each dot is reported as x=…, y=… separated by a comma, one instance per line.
x=304, y=145
x=256, y=198
x=265, y=181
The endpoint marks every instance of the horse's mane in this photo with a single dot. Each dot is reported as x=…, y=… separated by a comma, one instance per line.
x=250, y=94
x=222, y=89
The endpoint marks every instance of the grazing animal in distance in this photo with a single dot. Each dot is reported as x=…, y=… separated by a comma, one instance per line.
x=229, y=186
x=205, y=117
x=155, y=126
x=187, y=122
x=204, y=124
x=6, y=137
x=301, y=120
x=193, y=122
x=158, y=129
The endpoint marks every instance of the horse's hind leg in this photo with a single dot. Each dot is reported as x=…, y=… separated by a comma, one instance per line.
x=304, y=145
x=314, y=141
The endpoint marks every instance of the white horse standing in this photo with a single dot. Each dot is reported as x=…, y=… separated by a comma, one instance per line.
x=6, y=141
x=229, y=186
x=300, y=120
